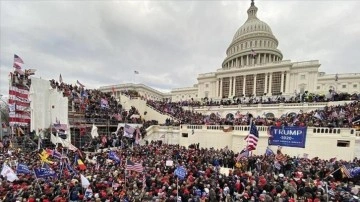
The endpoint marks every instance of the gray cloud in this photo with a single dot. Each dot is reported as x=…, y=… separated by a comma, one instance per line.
x=168, y=42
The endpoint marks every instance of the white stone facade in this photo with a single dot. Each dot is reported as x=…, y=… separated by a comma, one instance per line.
x=144, y=91
x=254, y=67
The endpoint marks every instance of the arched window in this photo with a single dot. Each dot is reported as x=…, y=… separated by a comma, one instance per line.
x=269, y=115
x=230, y=116
x=292, y=114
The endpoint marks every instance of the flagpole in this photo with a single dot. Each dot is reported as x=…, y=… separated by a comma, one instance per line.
x=247, y=141
x=177, y=188
x=37, y=181
x=332, y=172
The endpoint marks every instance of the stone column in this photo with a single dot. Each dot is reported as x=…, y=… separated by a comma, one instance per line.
x=264, y=59
x=217, y=88
x=287, y=86
x=244, y=84
x=266, y=83
x=282, y=82
x=234, y=86
x=221, y=84
x=230, y=87
x=247, y=60
x=254, y=90
x=270, y=84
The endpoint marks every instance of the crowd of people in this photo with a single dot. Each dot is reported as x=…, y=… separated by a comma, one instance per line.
x=329, y=116
x=98, y=106
x=110, y=176
x=297, y=98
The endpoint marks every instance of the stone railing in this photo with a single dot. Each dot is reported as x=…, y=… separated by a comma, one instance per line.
x=313, y=130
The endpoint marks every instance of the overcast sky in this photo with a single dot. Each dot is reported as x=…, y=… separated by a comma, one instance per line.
x=168, y=42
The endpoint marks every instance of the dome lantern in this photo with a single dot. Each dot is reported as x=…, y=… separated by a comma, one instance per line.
x=252, y=10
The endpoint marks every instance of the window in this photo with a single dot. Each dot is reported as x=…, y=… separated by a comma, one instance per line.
x=206, y=94
x=184, y=135
x=355, y=86
x=302, y=77
x=206, y=85
x=318, y=87
x=343, y=86
x=343, y=143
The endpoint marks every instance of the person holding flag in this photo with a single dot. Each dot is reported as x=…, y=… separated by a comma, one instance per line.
x=8, y=173
x=113, y=156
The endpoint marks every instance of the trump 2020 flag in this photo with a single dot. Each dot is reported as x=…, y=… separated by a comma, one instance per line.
x=84, y=181
x=8, y=173
x=44, y=172
x=22, y=168
x=128, y=131
x=114, y=157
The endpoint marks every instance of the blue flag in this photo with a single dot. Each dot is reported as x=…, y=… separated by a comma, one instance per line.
x=22, y=168
x=114, y=157
x=70, y=168
x=57, y=154
x=180, y=172
x=269, y=152
x=44, y=172
x=354, y=172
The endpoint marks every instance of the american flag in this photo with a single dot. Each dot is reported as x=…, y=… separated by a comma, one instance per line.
x=17, y=62
x=253, y=138
x=345, y=171
x=134, y=166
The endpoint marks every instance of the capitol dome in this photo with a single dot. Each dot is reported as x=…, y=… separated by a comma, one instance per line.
x=253, y=43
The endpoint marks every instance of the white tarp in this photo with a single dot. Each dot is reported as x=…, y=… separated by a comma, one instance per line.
x=47, y=105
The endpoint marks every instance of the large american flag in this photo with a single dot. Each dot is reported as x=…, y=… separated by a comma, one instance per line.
x=19, y=104
x=134, y=166
x=17, y=62
x=253, y=138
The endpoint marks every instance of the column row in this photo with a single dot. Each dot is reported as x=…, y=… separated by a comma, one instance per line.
x=280, y=84
x=247, y=60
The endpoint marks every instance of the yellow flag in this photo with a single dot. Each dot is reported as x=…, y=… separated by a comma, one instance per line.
x=43, y=157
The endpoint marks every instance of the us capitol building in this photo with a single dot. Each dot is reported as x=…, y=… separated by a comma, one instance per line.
x=254, y=67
